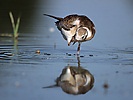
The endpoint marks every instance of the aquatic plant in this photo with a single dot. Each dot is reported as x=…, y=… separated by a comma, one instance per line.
x=15, y=27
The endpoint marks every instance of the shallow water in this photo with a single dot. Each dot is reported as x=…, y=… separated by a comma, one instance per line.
x=24, y=72
x=108, y=57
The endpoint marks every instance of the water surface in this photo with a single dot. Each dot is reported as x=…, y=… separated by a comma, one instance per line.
x=109, y=56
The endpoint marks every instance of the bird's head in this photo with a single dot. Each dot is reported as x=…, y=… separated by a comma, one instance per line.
x=82, y=34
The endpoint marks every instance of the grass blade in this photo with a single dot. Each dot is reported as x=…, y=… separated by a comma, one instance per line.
x=12, y=21
x=15, y=27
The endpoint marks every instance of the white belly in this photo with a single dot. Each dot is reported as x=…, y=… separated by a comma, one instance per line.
x=68, y=34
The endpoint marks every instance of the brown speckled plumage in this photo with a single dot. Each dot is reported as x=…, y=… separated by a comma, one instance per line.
x=75, y=28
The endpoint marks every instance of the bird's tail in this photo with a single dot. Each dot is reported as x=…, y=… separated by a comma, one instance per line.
x=58, y=18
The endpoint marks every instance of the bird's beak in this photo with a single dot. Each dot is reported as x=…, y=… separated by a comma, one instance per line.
x=69, y=44
x=69, y=41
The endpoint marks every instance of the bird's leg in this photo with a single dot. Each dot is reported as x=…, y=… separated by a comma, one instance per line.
x=78, y=58
x=78, y=49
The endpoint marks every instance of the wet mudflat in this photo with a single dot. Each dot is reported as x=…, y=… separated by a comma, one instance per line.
x=39, y=55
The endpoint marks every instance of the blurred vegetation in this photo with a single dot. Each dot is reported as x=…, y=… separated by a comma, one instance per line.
x=14, y=26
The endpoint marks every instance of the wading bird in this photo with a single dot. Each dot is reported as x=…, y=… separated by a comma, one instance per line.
x=75, y=28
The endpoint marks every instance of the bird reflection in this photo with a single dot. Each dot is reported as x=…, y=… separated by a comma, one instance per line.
x=74, y=80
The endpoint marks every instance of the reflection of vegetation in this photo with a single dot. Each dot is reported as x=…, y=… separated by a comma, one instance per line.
x=15, y=46
x=15, y=27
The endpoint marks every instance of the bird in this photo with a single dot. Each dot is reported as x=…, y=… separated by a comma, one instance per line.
x=75, y=80
x=75, y=28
